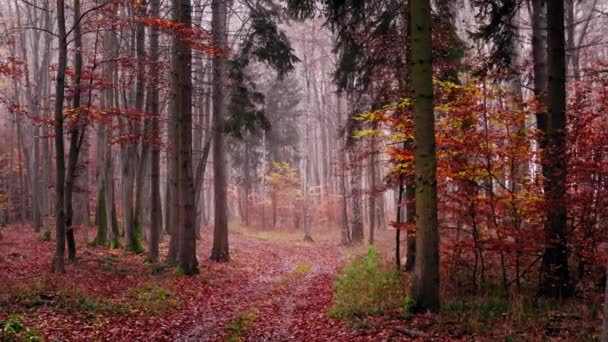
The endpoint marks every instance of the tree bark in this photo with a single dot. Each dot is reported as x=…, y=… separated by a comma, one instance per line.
x=58, y=259
x=182, y=97
x=357, y=234
x=142, y=165
x=425, y=287
x=555, y=276
x=220, y=251
x=154, y=110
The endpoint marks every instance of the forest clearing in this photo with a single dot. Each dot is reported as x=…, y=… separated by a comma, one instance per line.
x=303, y=170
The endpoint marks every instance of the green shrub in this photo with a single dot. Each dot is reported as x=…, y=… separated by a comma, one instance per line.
x=14, y=330
x=367, y=287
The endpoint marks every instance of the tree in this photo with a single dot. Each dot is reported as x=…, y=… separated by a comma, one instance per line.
x=153, y=109
x=425, y=287
x=58, y=260
x=182, y=98
x=555, y=277
x=77, y=135
x=219, y=251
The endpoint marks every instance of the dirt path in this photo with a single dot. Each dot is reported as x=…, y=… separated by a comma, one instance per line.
x=274, y=303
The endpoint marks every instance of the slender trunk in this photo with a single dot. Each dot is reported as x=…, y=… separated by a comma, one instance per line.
x=605, y=320
x=346, y=237
x=220, y=251
x=58, y=259
x=539, y=56
x=372, y=187
x=356, y=184
x=153, y=109
x=142, y=165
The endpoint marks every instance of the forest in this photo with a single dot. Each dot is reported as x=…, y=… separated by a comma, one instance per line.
x=303, y=170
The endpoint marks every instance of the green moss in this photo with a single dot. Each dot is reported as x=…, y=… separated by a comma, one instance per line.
x=102, y=221
x=136, y=245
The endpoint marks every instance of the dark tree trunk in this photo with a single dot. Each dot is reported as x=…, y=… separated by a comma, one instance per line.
x=220, y=251
x=58, y=260
x=555, y=277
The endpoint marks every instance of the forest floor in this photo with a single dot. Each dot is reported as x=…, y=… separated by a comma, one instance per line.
x=275, y=288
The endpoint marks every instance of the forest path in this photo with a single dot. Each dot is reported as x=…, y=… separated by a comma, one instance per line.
x=286, y=291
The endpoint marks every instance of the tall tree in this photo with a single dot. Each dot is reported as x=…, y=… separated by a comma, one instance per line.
x=425, y=287
x=77, y=135
x=219, y=250
x=153, y=109
x=182, y=98
x=142, y=166
x=555, y=277
x=59, y=258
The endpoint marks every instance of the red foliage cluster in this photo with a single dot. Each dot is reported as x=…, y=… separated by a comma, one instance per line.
x=490, y=185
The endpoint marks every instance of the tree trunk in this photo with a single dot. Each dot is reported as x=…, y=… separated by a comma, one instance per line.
x=372, y=187
x=220, y=251
x=356, y=184
x=345, y=230
x=154, y=109
x=555, y=277
x=58, y=259
x=605, y=320
x=539, y=56
x=182, y=97
x=142, y=165
x=410, y=218
x=425, y=287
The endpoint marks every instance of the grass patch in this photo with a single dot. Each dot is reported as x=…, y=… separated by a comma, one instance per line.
x=266, y=235
x=13, y=330
x=298, y=272
x=367, y=287
x=46, y=236
x=39, y=293
x=151, y=299
x=538, y=317
x=72, y=300
x=238, y=327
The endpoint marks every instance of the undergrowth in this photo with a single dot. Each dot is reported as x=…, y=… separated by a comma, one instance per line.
x=238, y=327
x=367, y=287
x=147, y=300
x=13, y=330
